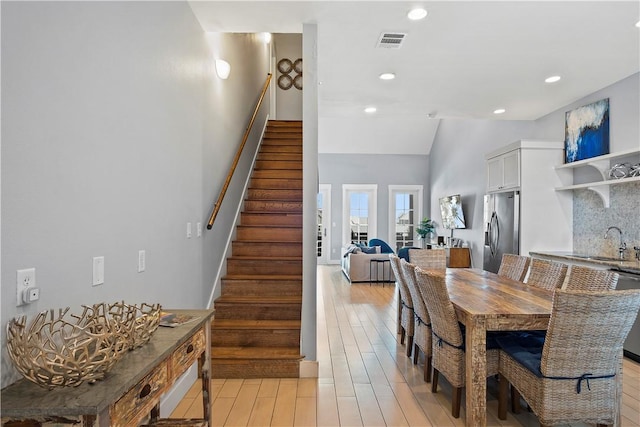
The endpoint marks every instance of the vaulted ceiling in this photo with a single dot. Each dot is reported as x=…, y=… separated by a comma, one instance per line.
x=464, y=60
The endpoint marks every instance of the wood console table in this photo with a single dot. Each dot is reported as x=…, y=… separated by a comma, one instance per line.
x=131, y=391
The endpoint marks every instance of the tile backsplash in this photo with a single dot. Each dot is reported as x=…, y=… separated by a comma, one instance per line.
x=591, y=220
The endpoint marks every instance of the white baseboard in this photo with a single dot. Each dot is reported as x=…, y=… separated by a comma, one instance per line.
x=309, y=369
x=170, y=399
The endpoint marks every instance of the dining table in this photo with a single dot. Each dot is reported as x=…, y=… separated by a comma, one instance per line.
x=485, y=301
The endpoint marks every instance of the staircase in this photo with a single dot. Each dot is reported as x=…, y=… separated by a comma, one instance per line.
x=256, y=330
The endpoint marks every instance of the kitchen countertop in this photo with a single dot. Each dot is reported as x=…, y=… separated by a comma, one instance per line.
x=629, y=266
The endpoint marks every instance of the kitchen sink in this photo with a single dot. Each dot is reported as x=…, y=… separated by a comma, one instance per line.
x=595, y=257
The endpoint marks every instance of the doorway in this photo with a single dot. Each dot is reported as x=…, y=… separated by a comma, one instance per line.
x=323, y=241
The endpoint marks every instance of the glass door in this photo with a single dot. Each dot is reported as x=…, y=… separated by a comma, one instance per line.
x=405, y=213
x=359, y=205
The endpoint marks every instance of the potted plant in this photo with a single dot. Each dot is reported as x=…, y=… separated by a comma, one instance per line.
x=425, y=228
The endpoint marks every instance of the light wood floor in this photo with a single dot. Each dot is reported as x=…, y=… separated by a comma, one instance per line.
x=365, y=378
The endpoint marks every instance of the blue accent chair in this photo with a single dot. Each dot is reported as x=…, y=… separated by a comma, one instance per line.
x=384, y=246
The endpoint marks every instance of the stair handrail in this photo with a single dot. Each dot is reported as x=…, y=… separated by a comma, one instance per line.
x=218, y=203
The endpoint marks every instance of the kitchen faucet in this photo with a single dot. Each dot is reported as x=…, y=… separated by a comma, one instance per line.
x=623, y=246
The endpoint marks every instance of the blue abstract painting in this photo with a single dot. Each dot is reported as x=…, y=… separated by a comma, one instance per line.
x=586, y=131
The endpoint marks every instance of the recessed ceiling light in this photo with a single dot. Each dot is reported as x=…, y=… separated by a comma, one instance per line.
x=417, y=14
x=370, y=110
x=638, y=24
x=499, y=111
x=387, y=76
x=552, y=79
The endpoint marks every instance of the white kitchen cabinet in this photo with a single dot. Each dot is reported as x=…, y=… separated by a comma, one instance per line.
x=546, y=216
x=503, y=171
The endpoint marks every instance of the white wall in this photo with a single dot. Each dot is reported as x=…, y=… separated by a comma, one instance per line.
x=289, y=102
x=590, y=217
x=310, y=189
x=384, y=170
x=228, y=106
x=114, y=136
x=624, y=120
x=457, y=166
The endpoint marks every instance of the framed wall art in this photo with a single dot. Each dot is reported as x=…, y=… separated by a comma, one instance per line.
x=586, y=131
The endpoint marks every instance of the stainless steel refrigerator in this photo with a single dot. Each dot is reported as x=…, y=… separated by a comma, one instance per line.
x=501, y=231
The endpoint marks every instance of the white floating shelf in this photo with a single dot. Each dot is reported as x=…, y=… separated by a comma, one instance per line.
x=599, y=183
x=600, y=187
x=602, y=164
x=596, y=160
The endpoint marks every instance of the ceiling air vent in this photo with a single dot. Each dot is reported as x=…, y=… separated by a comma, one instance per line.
x=391, y=40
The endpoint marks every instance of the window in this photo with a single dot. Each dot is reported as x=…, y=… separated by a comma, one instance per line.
x=359, y=204
x=405, y=213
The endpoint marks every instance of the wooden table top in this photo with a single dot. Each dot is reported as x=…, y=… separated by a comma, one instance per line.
x=476, y=292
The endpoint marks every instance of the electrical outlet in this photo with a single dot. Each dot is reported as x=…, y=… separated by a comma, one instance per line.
x=142, y=261
x=98, y=270
x=25, y=279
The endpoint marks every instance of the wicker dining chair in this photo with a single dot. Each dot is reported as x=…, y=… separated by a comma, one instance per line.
x=448, y=356
x=406, y=318
x=514, y=266
x=422, y=331
x=428, y=258
x=547, y=275
x=575, y=374
x=589, y=279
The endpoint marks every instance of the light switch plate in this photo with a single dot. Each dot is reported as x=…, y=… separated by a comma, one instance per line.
x=142, y=260
x=98, y=270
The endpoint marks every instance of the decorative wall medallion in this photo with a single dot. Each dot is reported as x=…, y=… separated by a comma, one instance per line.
x=285, y=66
x=285, y=82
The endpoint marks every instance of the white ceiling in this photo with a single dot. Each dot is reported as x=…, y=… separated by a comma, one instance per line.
x=464, y=60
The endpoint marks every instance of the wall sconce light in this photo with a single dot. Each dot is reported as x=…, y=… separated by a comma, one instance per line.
x=222, y=69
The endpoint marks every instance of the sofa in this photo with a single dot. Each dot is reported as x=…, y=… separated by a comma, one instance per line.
x=357, y=267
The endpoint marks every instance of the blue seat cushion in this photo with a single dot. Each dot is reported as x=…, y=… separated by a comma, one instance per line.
x=492, y=339
x=525, y=348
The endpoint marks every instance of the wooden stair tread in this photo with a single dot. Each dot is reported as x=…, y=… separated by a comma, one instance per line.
x=255, y=324
x=291, y=353
x=264, y=277
x=262, y=227
x=262, y=242
x=260, y=258
x=284, y=122
x=256, y=330
x=277, y=299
